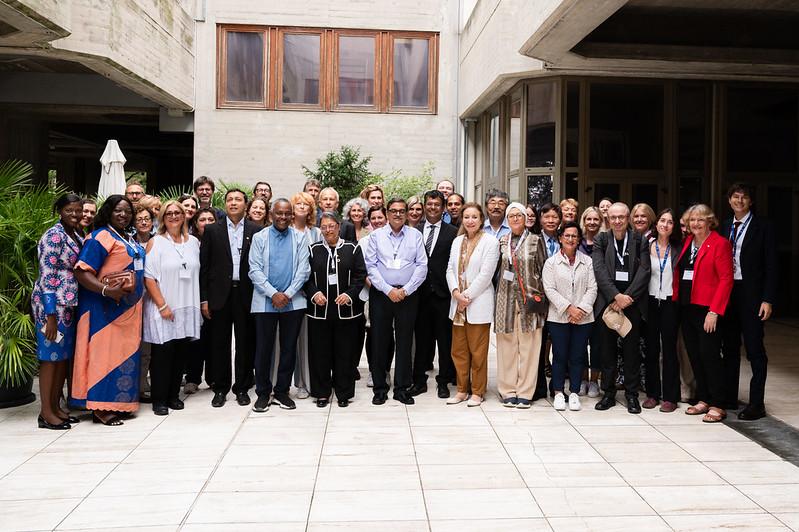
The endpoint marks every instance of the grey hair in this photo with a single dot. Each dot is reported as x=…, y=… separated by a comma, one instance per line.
x=355, y=201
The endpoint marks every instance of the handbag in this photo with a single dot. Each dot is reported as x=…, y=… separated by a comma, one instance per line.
x=125, y=279
x=536, y=302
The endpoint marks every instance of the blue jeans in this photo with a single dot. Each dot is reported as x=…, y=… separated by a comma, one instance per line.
x=568, y=345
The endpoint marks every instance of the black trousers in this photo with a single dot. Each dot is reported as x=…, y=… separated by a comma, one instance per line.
x=541, y=380
x=389, y=320
x=267, y=326
x=433, y=328
x=631, y=353
x=370, y=356
x=235, y=313
x=166, y=369
x=331, y=344
x=742, y=320
x=704, y=352
x=662, y=325
x=200, y=356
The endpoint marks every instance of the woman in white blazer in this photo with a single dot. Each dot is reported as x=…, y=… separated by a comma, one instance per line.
x=472, y=262
x=570, y=286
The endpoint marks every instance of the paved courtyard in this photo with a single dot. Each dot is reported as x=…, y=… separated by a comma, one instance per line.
x=397, y=468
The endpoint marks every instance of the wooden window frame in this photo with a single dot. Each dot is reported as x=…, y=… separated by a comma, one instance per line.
x=221, y=66
x=328, y=69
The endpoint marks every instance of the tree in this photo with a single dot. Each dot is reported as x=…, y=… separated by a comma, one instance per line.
x=398, y=185
x=345, y=170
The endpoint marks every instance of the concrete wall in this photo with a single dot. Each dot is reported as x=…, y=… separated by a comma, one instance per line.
x=247, y=145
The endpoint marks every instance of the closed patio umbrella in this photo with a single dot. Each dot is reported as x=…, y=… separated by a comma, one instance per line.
x=112, y=175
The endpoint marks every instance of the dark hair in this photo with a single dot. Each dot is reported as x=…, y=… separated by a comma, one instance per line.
x=569, y=225
x=536, y=228
x=312, y=181
x=331, y=215
x=103, y=218
x=546, y=207
x=675, y=239
x=375, y=209
x=193, y=221
x=139, y=209
x=234, y=189
x=434, y=194
x=744, y=188
x=65, y=199
x=497, y=193
x=280, y=200
x=605, y=199
x=203, y=180
x=392, y=201
x=463, y=200
x=261, y=183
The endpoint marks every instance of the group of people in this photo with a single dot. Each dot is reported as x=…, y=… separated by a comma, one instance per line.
x=140, y=298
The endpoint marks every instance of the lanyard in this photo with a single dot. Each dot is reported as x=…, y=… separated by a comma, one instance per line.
x=333, y=257
x=398, y=244
x=694, y=253
x=514, y=250
x=616, y=245
x=662, y=262
x=178, y=250
x=738, y=233
x=133, y=247
x=236, y=237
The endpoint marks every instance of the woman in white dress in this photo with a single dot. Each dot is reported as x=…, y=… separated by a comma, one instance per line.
x=172, y=316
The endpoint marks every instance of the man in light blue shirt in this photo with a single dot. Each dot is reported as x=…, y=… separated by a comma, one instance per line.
x=279, y=267
x=496, y=202
x=396, y=264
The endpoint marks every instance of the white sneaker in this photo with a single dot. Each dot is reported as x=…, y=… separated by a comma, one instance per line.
x=593, y=389
x=560, y=401
x=574, y=402
x=302, y=393
x=369, y=382
x=583, y=388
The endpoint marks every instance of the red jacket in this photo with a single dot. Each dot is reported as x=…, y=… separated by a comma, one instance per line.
x=712, y=273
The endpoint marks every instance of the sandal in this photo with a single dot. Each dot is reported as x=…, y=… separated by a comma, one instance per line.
x=699, y=408
x=714, y=415
x=112, y=421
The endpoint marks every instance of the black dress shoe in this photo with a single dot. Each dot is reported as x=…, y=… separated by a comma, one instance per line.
x=322, y=402
x=443, y=391
x=415, y=390
x=160, y=409
x=176, y=404
x=751, y=413
x=379, y=399
x=607, y=401
x=343, y=403
x=44, y=424
x=145, y=397
x=404, y=398
x=243, y=398
x=218, y=400
x=633, y=406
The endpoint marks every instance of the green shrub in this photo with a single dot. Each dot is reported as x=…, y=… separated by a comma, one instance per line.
x=345, y=170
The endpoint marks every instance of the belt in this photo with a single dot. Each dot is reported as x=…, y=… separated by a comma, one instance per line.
x=235, y=284
x=397, y=286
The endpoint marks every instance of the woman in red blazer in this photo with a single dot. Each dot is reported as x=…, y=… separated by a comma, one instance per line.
x=703, y=287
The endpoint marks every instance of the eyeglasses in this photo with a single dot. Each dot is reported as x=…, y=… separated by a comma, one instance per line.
x=617, y=218
x=173, y=214
x=569, y=237
x=143, y=220
x=396, y=211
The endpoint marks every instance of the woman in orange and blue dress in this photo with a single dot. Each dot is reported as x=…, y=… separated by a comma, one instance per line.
x=106, y=367
x=54, y=301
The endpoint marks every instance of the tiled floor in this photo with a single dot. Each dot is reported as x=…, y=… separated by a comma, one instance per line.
x=395, y=468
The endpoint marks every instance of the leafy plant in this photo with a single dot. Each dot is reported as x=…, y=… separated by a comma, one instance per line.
x=25, y=214
x=173, y=192
x=345, y=170
x=218, y=199
x=399, y=185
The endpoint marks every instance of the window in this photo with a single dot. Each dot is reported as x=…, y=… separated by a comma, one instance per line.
x=327, y=69
x=493, y=147
x=515, y=135
x=542, y=110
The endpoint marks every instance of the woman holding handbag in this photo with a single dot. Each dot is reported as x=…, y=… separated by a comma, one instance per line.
x=520, y=310
x=110, y=271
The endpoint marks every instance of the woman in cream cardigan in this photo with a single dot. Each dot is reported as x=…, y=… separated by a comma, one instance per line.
x=472, y=262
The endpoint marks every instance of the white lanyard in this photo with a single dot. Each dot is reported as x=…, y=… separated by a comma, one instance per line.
x=512, y=251
x=333, y=256
x=131, y=246
x=624, y=247
x=179, y=251
x=398, y=244
x=662, y=263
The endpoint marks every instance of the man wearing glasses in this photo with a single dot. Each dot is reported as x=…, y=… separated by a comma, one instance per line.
x=396, y=263
x=496, y=202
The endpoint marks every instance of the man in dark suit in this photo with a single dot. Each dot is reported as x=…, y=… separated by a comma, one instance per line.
x=754, y=250
x=433, y=326
x=621, y=267
x=225, y=294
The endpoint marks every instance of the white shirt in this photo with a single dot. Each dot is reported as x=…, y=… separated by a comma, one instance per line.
x=429, y=227
x=235, y=233
x=661, y=287
x=736, y=259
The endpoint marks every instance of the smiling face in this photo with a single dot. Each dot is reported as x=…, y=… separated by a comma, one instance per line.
x=356, y=213
x=189, y=207
x=301, y=211
x=698, y=225
x=204, y=219
x=89, y=212
x=516, y=219
x=569, y=240
x=328, y=200
x=454, y=206
x=204, y=193
x=377, y=219
x=375, y=198
x=472, y=220
x=235, y=205
x=281, y=215
x=257, y=210
x=531, y=218
x=740, y=203
x=122, y=215
x=329, y=229
x=263, y=190
x=415, y=213
x=313, y=190
x=619, y=217
x=665, y=225
x=446, y=188
x=640, y=221
x=496, y=209
x=144, y=222
x=433, y=209
x=604, y=205
x=592, y=222
x=569, y=212
x=550, y=221
x=71, y=215
x=134, y=193
x=174, y=218
x=396, y=215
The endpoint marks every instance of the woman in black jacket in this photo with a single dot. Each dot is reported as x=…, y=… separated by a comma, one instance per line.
x=337, y=277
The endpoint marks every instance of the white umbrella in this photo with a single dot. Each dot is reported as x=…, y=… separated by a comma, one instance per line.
x=112, y=176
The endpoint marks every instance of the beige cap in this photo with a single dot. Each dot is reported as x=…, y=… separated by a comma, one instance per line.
x=617, y=321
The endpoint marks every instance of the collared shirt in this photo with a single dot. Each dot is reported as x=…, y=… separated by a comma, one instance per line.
x=281, y=260
x=737, y=244
x=551, y=244
x=503, y=230
x=447, y=217
x=429, y=227
x=396, y=259
x=235, y=234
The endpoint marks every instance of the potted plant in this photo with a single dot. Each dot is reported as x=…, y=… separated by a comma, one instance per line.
x=26, y=212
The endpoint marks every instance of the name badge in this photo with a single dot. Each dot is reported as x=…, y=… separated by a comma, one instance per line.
x=395, y=264
x=622, y=276
x=138, y=264
x=184, y=273
x=688, y=275
x=508, y=275
x=332, y=279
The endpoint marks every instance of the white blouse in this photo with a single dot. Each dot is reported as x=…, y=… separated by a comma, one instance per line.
x=660, y=287
x=176, y=268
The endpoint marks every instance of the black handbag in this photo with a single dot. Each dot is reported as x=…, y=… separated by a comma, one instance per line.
x=536, y=303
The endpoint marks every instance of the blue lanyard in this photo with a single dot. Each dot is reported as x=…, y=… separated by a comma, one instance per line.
x=662, y=263
x=738, y=233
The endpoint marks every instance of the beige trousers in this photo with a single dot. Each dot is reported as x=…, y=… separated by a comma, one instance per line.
x=470, y=355
x=517, y=361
